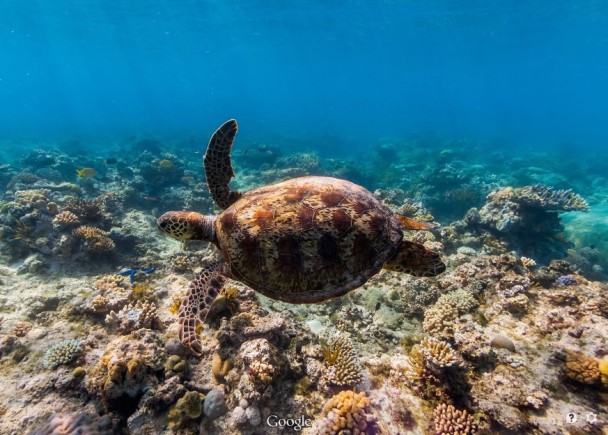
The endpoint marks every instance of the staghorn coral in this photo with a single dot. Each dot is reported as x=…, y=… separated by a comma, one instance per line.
x=20, y=329
x=66, y=219
x=582, y=368
x=95, y=240
x=345, y=370
x=63, y=352
x=348, y=413
x=134, y=316
x=448, y=420
x=437, y=354
x=76, y=424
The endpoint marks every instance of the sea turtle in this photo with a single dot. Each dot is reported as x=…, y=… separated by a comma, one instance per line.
x=303, y=240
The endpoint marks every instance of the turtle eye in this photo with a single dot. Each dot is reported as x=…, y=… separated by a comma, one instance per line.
x=163, y=225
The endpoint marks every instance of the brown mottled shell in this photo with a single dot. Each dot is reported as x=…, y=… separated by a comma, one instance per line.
x=307, y=239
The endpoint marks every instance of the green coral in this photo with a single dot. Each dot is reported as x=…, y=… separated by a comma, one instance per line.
x=187, y=409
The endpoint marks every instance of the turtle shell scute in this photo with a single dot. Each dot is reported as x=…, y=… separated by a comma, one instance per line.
x=307, y=239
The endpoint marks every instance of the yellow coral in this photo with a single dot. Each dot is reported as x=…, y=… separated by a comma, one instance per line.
x=582, y=368
x=603, y=368
x=220, y=368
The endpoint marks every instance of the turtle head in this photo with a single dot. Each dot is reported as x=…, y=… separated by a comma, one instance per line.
x=186, y=225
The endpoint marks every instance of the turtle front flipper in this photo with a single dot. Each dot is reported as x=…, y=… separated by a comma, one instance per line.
x=218, y=166
x=193, y=311
x=415, y=259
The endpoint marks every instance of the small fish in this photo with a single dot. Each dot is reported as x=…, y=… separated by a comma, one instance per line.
x=111, y=161
x=165, y=163
x=151, y=198
x=86, y=172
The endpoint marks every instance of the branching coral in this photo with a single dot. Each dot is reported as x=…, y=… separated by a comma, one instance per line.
x=448, y=420
x=344, y=368
x=63, y=352
x=349, y=413
x=66, y=219
x=95, y=240
x=437, y=354
x=134, y=316
x=439, y=320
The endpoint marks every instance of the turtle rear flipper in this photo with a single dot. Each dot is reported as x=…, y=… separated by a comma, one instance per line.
x=415, y=259
x=218, y=166
x=195, y=307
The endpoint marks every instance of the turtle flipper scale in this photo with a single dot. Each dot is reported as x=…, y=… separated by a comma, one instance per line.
x=218, y=166
x=415, y=259
x=195, y=306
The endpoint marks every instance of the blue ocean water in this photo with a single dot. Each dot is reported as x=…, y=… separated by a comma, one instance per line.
x=332, y=74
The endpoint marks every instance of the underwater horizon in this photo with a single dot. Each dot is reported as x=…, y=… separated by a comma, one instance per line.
x=408, y=234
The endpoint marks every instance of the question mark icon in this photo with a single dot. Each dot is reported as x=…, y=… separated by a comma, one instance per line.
x=571, y=418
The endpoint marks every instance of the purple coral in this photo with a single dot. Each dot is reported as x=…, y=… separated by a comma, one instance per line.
x=565, y=280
